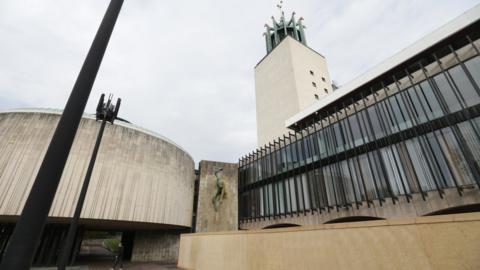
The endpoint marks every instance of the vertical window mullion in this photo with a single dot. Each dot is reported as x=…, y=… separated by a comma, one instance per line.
x=389, y=132
x=341, y=185
x=377, y=151
x=298, y=184
x=347, y=142
x=358, y=115
x=310, y=189
x=420, y=137
x=320, y=168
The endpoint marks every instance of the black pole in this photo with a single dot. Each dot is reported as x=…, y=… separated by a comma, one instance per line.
x=28, y=230
x=68, y=243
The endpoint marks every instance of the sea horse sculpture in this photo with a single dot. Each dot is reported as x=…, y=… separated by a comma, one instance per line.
x=219, y=192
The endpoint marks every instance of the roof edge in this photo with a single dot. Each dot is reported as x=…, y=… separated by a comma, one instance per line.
x=441, y=33
x=92, y=117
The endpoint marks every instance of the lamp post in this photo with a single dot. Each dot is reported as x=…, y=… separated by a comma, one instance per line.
x=107, y=113
x=29, y=228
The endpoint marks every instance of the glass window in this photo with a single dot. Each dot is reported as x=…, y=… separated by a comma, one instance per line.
x=347, y=182
x=280, y=198
x=306, y=189
x=429, y=101
x=394, y=170
x=377, y=128
x=339, y=143
x=290, y=194
x=355, y=130
x=386, y=117
x=367, y=176
x=299, y=152
x=473, y=66
x=447, y=92
x=270, y=199
x=329, y=185
x=438, y=162
x=455, y=158
x=380, y=174
x=405, y=108
x=293, y=195
x=464, y=85
x=418, y=110
x=471, y=138
x=397, y=114
x=420, y=165
x=365, y=130
x=321, y=143
x=329, y=140
x=320, y=183
x=347, y=134
x=357, y=180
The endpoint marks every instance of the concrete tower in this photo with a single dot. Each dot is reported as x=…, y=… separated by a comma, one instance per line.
x=288, y=79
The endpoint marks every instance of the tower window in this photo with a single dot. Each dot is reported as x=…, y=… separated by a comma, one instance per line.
x=311, y=72
x=323, y=79
x=316, y=96
x=314, y=84
x=325, y=89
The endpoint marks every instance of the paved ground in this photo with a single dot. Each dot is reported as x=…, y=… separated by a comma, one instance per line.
x=137, y=266
x=96, y=257
x=107, y=266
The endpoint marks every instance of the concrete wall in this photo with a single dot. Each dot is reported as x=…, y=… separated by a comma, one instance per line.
x=437, y=242
x=157, y=246
x=139, y=176
x=305, y=59
x=283, y=86
x=401, y=209
x=226, y=219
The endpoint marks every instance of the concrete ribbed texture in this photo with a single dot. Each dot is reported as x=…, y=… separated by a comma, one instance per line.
x=138, y=176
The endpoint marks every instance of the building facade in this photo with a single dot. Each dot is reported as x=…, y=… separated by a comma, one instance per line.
x=289, y=79
x=401, y=141
x=142, y=184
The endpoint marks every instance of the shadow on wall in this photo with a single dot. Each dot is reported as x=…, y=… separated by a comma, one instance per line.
x=353, y=219
x=447, y=211
x=457, y=210
x=280, y=225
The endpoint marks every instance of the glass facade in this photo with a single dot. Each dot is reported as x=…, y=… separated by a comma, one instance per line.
x=415, y=130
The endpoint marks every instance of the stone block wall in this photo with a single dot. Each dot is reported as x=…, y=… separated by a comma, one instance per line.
x=226, y=218
x=434, y=242
x=156, y=246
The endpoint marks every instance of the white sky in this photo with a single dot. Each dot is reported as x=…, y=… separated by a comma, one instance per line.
x=184, y=69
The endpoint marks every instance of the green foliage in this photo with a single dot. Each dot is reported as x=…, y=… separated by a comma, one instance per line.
x=111, y=244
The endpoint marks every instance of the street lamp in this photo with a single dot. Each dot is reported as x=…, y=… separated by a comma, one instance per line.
x=106, y=112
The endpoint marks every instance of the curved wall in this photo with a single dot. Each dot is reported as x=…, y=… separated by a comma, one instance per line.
x=138, y=177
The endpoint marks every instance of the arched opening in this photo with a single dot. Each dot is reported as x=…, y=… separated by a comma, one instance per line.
x=469, y=208
x=353, y=219
x=280, y=225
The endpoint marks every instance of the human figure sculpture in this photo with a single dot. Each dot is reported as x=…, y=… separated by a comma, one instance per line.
x=219, y=192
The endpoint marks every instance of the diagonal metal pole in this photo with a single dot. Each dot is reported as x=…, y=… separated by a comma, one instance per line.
x=28, y=230
x=68, y=243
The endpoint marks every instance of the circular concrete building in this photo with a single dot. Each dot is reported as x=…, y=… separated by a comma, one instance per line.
x=142, y=183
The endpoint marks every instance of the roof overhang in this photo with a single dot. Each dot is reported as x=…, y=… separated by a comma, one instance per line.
x=463, y=21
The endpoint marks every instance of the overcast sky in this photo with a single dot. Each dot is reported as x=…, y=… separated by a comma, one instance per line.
x=184, y=69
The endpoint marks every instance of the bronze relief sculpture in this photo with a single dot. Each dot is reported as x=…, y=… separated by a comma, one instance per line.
x=220, y=192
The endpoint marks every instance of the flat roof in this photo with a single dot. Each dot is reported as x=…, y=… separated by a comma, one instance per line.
x=467, y=18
